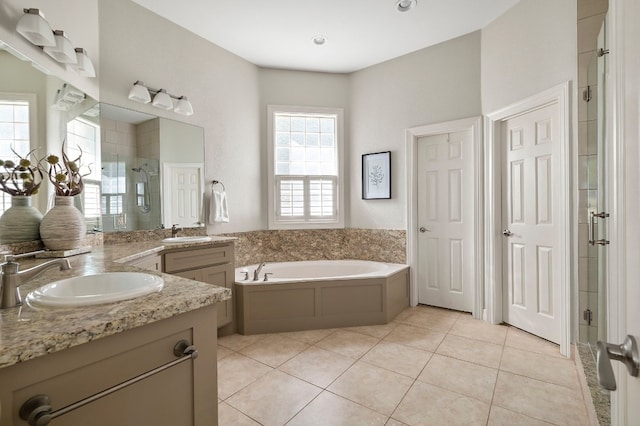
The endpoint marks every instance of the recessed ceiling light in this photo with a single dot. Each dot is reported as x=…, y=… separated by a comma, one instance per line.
x=319, y=40
x=405, y=5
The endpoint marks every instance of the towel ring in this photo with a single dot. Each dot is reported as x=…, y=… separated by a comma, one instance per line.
x=218, y=182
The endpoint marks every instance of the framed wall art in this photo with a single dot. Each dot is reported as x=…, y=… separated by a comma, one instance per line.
x=376, y=176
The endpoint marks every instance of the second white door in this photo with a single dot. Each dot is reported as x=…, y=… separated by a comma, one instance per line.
x=530, y=216
x=446, y=240
x=183, y=188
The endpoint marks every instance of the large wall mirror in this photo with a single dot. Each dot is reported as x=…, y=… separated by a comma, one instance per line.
x=146, y=171
x=152, y=171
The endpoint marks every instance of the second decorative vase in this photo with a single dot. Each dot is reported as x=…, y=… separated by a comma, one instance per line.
x=20, y=222
x=63, y=227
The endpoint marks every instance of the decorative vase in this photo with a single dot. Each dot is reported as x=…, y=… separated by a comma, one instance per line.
x=63, y=227
x=20, y=222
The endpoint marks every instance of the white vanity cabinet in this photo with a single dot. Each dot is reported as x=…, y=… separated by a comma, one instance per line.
x=184, y=393
x=212, y=265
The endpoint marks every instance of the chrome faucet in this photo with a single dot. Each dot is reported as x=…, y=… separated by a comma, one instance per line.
x=11, y=278
x=175, y=230
x=256, y=273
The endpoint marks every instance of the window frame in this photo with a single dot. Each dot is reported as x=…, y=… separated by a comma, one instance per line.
x=31, y=99
x=308, y=222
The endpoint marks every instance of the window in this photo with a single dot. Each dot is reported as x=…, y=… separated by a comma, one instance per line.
x=305, y=167
x=83, y=136
x=15, y=132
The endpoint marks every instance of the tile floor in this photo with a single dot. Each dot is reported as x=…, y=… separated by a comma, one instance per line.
x=428, y=367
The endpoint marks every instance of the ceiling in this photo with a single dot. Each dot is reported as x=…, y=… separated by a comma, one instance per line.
x=359, y=33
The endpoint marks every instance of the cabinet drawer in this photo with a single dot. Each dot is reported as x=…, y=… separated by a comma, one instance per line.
x=92, y=377
x=197, y=258
x=151, y=263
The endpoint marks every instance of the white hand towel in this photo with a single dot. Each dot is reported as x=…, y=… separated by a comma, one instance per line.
x=219, y=210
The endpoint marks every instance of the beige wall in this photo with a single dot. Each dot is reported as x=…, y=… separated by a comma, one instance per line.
x=136, y=44
x=530, y=48
x=432, y=85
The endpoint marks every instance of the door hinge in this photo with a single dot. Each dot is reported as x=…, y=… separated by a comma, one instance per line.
x=587, y=315
x=586, y=94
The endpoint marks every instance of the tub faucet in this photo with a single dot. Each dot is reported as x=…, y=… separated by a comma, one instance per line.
x=11, y=278
x=256, y=273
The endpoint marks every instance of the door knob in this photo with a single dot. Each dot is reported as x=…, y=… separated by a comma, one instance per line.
x=423, y=229
x=507, y=233
x=627, y=353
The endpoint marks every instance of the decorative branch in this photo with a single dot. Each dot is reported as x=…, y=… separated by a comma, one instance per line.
x=23, y=178
x=66, y=176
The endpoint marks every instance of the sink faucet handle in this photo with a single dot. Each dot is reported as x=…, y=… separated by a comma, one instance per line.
x=266, y=276
x=12, y=257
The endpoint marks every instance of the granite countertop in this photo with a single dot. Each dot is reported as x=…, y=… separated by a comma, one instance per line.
x=27, y=333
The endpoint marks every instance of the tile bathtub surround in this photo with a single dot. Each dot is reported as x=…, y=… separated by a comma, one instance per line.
x=460, y=371
x=383, y=245
x=119, y=237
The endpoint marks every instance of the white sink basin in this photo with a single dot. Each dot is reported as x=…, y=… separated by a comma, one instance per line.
x=95, y=289
x=185, y=240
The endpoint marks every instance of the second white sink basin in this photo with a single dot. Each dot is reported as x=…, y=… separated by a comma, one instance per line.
x=96, y=289
x=185, y=240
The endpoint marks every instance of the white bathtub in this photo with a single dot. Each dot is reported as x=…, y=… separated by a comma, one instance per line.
x=317, y=270
x=319, y=294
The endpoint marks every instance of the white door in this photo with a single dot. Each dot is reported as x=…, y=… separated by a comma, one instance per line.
x=530, y=221
x=446, y=240
x=623, y=156
x=183, y=186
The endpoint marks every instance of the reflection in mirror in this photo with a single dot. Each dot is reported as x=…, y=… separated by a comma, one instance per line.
x=129, y=158
x=38, y=111
x=152, y=171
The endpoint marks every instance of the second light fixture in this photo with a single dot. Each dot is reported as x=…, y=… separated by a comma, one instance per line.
x=161, y=98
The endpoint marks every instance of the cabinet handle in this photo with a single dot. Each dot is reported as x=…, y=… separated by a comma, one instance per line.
x=37, y=410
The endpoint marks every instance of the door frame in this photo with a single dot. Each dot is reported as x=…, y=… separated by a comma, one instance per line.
x=412, y=135
x=493, y=205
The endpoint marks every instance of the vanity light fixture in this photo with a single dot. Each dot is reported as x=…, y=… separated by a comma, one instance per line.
x=405, y=5
x=35, y=28
x=84, y=66
x=67, y=98
x=161, y=98
x=139, y=93
x=183, y=106
x=63, y=51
